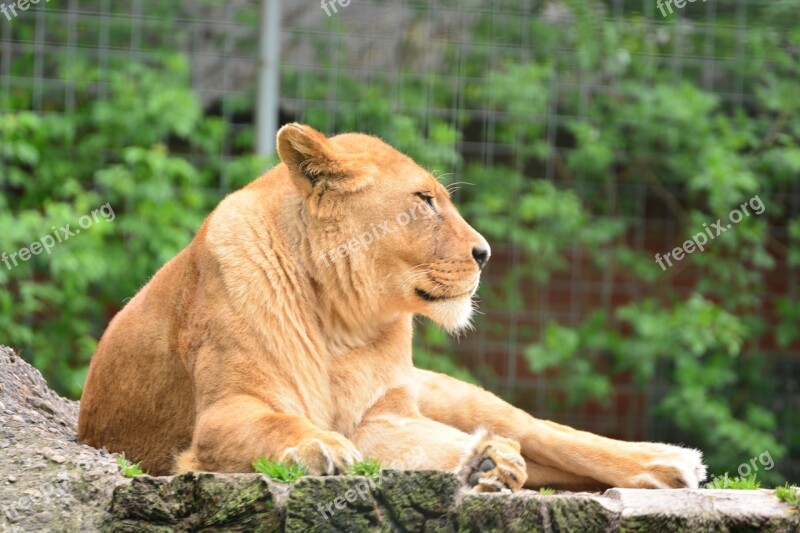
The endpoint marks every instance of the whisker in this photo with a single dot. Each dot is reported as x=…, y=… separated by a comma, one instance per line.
x=411, y=275
x=451, y=187
x=412, y=271
x=440, y=176
x=408, y=283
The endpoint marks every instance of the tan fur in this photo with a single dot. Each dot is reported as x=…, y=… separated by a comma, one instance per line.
x=254, y=341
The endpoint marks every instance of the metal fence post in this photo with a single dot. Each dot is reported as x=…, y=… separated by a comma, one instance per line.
x=268, y=77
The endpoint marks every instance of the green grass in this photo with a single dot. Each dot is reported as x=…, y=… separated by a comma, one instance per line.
x=547, y=491
x=367, y=467
x=128, y=468
x=789, y=494
x=739, y=483
x=279, y=471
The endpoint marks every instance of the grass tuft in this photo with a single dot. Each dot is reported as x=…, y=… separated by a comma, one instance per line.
x=367, y=467
x=789, y=494
x=738, y=483
x=547, y=491
x=279, y=471
x=129, y=469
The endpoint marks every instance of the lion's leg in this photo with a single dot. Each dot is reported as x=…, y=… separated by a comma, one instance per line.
x=547, y=476
x=232, y=433
x=608, y=461
x=394, y=432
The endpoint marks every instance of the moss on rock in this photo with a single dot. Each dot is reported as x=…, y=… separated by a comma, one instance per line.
x=529, y=511
x=322, y=504
x=419, y=500
x=194, y=501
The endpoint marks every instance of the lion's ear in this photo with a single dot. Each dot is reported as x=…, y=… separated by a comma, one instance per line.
x=306, y=152
x=313, y=158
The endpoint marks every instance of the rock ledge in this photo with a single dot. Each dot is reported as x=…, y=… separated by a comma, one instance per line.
x=51, y=482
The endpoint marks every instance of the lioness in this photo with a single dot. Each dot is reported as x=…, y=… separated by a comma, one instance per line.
x=281, y=332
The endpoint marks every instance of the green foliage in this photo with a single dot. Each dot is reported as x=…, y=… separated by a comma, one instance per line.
x=284, y=472
x=432, y=352
x=57, y=168
x=547, y=491
x=367, y=467
x=128, y=468
x=789, y=494
x=738, y=483
x=700, y=157
x=695, y=347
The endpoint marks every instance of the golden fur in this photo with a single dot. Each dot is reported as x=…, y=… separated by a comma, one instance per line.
x=280, y=332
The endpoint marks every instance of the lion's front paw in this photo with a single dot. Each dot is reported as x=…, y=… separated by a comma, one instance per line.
x=492, y=464
x=327, y=454
x=667, y=467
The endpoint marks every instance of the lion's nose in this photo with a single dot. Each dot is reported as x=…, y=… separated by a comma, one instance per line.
x=481, y=255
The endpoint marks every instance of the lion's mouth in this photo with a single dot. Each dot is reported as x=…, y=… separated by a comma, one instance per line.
x=428, y=297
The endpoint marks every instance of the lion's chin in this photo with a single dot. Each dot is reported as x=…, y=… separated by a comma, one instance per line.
x=454, y=315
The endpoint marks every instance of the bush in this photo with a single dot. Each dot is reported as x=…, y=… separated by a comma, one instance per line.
x=120, y=153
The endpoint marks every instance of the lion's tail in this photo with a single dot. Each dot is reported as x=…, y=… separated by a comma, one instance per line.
x=186, y=461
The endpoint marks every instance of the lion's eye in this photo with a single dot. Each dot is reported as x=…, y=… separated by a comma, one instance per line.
x=427, y=198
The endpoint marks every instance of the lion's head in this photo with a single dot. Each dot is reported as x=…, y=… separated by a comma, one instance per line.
x=382, y=226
